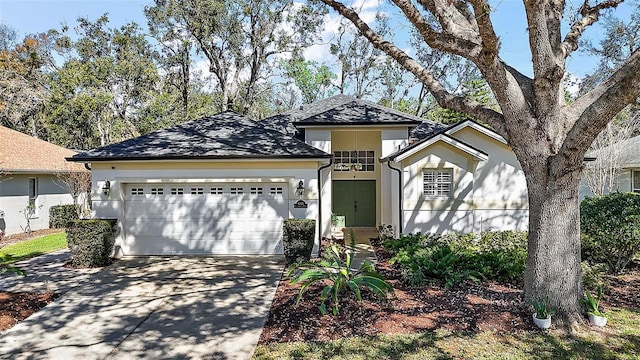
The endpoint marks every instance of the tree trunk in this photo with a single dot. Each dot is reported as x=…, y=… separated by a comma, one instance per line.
x=553, y=261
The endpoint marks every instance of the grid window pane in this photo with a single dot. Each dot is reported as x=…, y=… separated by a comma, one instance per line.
x=177, y=191
x=157, y=191
x=217, y=191
x=437, y=182
x=356, y=160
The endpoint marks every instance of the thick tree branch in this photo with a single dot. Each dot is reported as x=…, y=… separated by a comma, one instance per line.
x=442, y=96
x=590, y=15
x=490, y=42
x=596, y=108
x=453, y=42
x=453, y=17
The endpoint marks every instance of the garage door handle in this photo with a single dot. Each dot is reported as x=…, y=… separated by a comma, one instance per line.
x=355, y=206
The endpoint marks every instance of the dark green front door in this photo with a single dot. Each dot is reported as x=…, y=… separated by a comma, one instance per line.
x=356, y=201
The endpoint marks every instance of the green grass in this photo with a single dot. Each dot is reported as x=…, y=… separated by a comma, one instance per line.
x=620, y=339
x=34, y=247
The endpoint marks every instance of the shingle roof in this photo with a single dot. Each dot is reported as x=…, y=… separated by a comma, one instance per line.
x=226, y=135
x=426, y=130
x=339, y=110
x=23, y=153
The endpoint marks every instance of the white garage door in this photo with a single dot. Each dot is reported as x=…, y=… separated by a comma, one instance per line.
x=194, y=218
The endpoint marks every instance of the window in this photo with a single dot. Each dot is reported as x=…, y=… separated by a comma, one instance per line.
x=276, y=191
x=256, y=191
x=197, y=191
x=177, y=191
x=354, y=160
x=217, y=191
x=635, y=183
x=137, y=191
x=236, y=191
x=157, y=191
x=437, y=182
x=33, y=192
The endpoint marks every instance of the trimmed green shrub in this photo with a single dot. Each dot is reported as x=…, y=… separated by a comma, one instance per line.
x=453, y=258
x=297, y=238
x=91, y=241
x=61, y=215
x=611, y=228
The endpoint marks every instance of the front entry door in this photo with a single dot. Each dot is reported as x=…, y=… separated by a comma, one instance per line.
x=356, y=201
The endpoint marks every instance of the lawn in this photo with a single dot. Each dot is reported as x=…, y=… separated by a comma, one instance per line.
x=34, y=247
x=620, y=339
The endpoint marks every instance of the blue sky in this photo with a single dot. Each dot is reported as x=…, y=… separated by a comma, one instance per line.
x=32, y=16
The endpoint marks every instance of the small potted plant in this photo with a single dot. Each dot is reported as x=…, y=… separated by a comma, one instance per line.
x=542, y=316
x=596, y=317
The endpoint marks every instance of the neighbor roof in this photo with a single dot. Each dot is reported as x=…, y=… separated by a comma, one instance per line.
x=226, y=135
x=21, y=153
x=627, y=153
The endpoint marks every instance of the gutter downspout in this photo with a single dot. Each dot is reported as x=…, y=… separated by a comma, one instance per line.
x=320, y=199
x=399, y=195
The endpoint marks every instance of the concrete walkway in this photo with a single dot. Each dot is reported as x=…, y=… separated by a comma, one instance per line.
x=155, y=308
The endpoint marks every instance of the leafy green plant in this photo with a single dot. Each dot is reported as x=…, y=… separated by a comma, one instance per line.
x=611, y=227
x=91, y=241
x=385, y=231
x=7, y=258
x=298, y=237
x=335, y=268
x=593, y=303
x=543, y=311
x=61, y=215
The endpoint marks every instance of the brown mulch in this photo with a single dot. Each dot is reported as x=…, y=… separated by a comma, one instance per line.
x=466, y=307
x=15, y=307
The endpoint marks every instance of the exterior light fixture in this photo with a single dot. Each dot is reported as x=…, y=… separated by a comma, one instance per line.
x=300, y=188
x=106, y=187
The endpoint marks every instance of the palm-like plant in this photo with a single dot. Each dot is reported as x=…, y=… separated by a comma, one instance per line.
x=335, y=268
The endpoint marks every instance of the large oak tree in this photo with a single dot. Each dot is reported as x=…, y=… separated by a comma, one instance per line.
x=548, y=136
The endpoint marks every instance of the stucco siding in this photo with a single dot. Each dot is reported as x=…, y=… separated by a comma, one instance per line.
x=14, y=198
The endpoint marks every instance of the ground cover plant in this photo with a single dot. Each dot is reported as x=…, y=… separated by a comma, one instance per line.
x=484, y=319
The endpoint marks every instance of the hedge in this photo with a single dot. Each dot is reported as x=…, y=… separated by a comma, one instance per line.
x=298, y=237
x=61, y=215
x=91, y=242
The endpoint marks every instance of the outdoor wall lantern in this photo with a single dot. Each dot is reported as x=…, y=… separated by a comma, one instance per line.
x=300, y=188
x=106, y=187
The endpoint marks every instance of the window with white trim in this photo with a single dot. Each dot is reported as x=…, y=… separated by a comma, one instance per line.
x=236, y=191
x=33, y=193
x=256, y=191
x=437, y=182
x=157, y=191
x=197, y=191
x=137, y=191
x=276, y=191
x=217, y=191
x=177, y=191
x=635, y=183
x=356, y=160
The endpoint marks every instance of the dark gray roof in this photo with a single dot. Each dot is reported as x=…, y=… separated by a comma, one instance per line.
x=426, y=130
x=627, y=152
x=222, y=136
x=339, y=110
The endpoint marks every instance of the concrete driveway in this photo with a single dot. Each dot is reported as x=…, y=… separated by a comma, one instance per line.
x=155, y=308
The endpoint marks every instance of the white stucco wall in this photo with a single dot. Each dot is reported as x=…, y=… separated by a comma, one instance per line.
x=487, y=194
x=14, y=198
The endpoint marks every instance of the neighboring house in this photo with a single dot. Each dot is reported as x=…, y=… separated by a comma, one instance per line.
x=28, y=183
x=615, y=168
x=224, y=184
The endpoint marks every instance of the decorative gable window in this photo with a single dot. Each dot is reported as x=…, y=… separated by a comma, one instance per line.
x=354, y=160
x=635, y=186
x=437, y=182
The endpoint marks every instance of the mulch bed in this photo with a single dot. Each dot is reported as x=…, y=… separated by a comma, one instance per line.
x=466, y=307
x=18, y=306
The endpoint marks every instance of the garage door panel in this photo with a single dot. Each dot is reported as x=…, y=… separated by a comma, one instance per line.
x=212, y=220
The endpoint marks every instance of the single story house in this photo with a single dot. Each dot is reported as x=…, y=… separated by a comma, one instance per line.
x=622, y=160
x=28, y=180
x=224, y=184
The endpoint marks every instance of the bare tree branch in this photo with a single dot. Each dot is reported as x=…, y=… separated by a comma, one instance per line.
x=442, y=96
x=590, y=15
